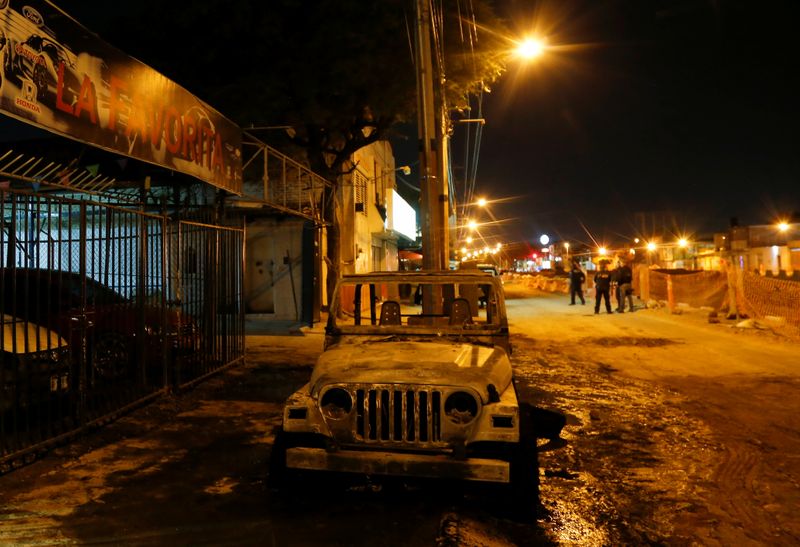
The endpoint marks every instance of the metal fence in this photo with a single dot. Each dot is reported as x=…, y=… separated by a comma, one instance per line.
x=105, y=307
x=731, y=290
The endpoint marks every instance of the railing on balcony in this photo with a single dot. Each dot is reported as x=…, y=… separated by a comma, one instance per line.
x=274, y=180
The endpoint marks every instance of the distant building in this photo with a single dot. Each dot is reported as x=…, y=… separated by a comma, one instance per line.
x=285, y=270
x=766, y=249
x=374, y=216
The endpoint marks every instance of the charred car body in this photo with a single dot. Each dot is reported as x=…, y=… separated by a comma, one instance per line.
x=410, y=390
x=117, y=329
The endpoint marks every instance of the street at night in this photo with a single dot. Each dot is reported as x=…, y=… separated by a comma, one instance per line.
x=677, y=431
x=402, y=272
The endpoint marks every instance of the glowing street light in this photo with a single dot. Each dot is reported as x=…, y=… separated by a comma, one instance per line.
x=472, y=225
x=463, y=250
x=683, y=243
x=481, y=202
x=783, y=226
x=530, y=48
x=468, y=239
x=602, y=251
x=651, y=246
x=544, y=239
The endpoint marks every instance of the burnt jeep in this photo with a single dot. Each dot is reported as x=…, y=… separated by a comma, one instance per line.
x=412, y=390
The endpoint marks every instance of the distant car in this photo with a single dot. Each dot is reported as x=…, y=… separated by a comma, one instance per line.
x=34, y=363
x=489, y=268
x=408, y=390
x=53, y=299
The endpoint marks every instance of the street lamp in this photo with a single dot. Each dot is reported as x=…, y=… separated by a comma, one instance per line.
x=530, y=48
x=783, y=226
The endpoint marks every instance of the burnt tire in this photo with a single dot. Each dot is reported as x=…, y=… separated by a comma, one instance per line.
x=519, y=499
x=523, y=490
x=279, y=476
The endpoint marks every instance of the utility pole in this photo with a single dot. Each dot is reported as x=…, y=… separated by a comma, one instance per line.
x=433, y=200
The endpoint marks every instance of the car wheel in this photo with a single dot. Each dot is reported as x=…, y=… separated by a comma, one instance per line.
x=110, y=355
x=524, y=463
x=278, y=472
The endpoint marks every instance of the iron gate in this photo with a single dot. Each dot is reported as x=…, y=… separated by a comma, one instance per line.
x=105, y=307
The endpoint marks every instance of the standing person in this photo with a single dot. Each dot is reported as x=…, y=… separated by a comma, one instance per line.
x=576, y=279
x=615, y=283
x=602, y=285
x=624, y=287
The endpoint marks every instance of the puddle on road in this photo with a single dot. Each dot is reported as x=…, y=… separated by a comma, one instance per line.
x=225, y=485
x=630, y=451
x=619, y=341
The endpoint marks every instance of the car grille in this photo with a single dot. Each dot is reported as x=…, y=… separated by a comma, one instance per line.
x=398, y=415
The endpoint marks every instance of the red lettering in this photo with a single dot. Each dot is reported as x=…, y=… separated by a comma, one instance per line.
x=87, y=100
x=217, y=162
x=115, y=103
x=208, y=143
x=173, y=130
x=60, y=104
x=189, y=150
x=156, y=120
x=136, y=119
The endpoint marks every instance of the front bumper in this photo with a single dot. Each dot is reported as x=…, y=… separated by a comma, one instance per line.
x=437, y=466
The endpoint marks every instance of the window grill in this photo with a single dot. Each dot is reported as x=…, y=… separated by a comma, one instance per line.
x=360, y=188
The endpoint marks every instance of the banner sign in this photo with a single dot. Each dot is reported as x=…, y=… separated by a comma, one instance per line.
x=59, y=76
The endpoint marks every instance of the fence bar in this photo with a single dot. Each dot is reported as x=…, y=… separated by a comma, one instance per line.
x=91, y=284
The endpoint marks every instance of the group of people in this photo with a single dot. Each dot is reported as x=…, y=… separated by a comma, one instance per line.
x=620, y=278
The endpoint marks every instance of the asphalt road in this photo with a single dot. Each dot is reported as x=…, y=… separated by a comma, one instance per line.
x=677, y=432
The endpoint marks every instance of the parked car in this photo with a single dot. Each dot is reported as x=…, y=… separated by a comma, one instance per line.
x=483, y=267
x=113, y=323
x=34, y=365
x=407, y=390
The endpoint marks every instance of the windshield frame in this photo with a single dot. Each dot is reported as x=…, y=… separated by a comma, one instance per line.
x=494, y=333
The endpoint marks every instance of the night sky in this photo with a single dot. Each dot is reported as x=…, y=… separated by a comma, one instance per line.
x=686, y=110
x=683, y=108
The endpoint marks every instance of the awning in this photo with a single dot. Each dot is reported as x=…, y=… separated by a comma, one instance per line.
x=409, y=255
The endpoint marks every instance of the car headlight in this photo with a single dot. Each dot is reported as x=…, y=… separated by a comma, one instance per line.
x=460, y=407
x=49, y=356
x=336, y=403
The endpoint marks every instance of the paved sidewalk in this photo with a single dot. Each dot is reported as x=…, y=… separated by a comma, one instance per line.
x=262, y=324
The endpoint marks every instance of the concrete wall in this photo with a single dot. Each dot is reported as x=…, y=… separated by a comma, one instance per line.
x=366, y=244
x=273, y=282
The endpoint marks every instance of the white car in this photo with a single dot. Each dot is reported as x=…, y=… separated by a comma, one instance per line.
x=35, y=365
x=411, y=390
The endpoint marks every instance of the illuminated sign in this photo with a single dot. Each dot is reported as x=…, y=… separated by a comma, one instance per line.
x=403, y=218
x=62, y=78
